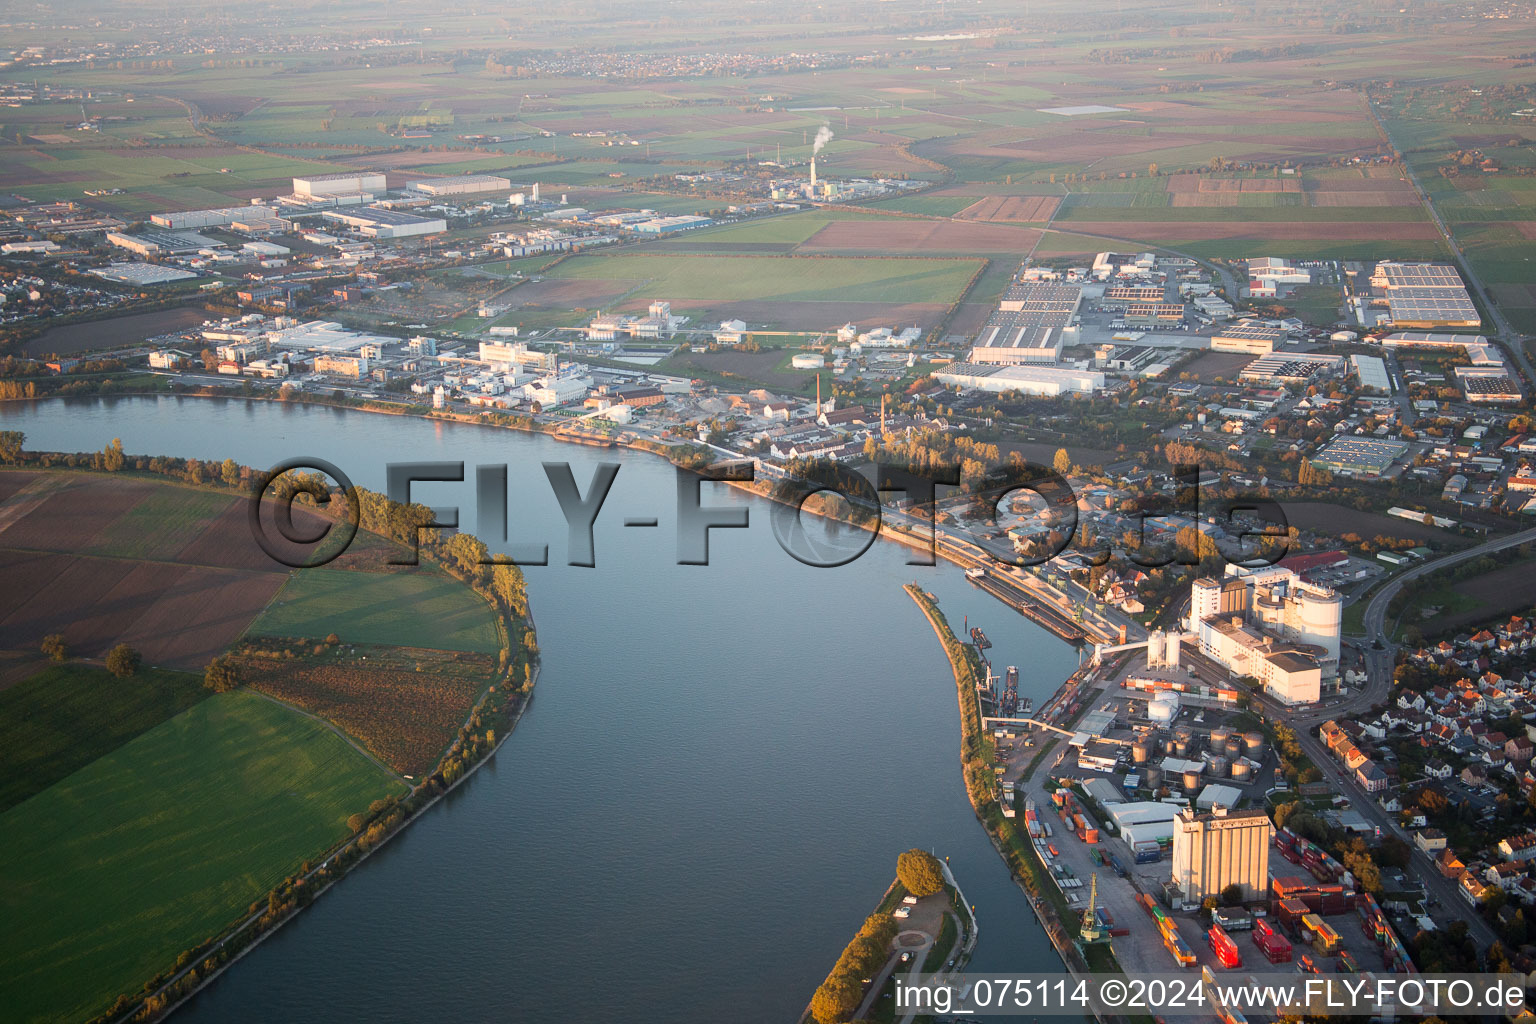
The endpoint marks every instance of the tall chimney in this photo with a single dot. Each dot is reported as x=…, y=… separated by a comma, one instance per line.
x=818, y=394
x=813, y=172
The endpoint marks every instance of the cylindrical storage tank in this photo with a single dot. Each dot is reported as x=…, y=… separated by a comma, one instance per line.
x=1191, y=781
x=1171, y=651
x=1219, y=737
x=1218, y=767
x=1180, y=747
x=1255, y=743
x=1234, y=747
x=1184, y=733
x=1141, y=752
x=1163, y=708
x=1242, y=771
x=1155, y=648
x=1154, y=779
x=1322, y=612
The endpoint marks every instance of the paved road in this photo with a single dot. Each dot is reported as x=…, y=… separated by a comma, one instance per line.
x=1511, y=339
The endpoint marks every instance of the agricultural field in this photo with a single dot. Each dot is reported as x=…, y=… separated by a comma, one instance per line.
x=410, y=607
x=785, y=292
x=404, y=704
x=155, y=846
x=68, y=715
x=112, y=332
x=777, y=279
x=1336, y=520
x=171, y=570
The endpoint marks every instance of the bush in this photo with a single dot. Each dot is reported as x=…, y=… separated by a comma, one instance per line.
x=920, y=873
x=123, y=661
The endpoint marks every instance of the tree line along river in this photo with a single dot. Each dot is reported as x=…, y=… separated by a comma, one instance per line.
x=711, y=784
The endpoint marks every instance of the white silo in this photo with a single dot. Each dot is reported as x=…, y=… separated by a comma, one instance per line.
x=1171, y=650
x=1164, y=708
x=1154, y=648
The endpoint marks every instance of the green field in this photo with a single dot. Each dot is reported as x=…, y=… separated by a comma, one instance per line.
x=934, y=206
x=404, y=608
x=789, y=229
x=108, y=875
x=779, y=278
x=68, y=715
x=161, y=524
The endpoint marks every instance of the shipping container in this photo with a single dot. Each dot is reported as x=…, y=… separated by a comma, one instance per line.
x=1149, y=856
x=1176, y=945
x=1275, y=947
x=1224, y=948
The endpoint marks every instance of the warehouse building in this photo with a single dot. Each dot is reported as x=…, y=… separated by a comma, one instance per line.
x=321, y=185
x=1048, y=305
x=1283, y=369
x=1153, y=312
x=212, y=218
x=1479, y=350
x=1049, y=381
x=1124, y=293
x=461, y=185
x=1359, y=456
x=1222, y=848
x=141, y=273
x=1372, y=372
x=1489, y=386
x=1425, y=295
x=161, y=243
x=667, y=225
x=1269, y=277
x=1248, y=336
x=375, y=222
x=1011, y=346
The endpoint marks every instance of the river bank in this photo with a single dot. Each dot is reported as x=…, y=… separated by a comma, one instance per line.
x=976, y=757
x=506, y=858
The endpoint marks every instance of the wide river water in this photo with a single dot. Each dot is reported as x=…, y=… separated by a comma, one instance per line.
x=707, y=793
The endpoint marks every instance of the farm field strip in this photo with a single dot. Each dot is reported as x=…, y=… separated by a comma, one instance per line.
x=405, y=608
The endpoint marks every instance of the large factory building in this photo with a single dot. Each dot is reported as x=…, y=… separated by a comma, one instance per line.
x=461, y=185
x=1222, y=848
x=375, y=222
x=338, y=184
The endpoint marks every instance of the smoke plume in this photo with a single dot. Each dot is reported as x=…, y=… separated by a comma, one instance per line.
x=823, y=136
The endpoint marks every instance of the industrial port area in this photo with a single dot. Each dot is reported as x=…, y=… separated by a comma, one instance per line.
x=1153, y=820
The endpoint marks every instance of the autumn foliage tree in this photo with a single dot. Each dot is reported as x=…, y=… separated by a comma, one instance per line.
x=123, y=661
x=54, y=646
x=222, y=674
x=919, y=871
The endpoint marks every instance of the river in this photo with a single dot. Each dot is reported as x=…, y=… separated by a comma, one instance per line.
x=707, y=793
